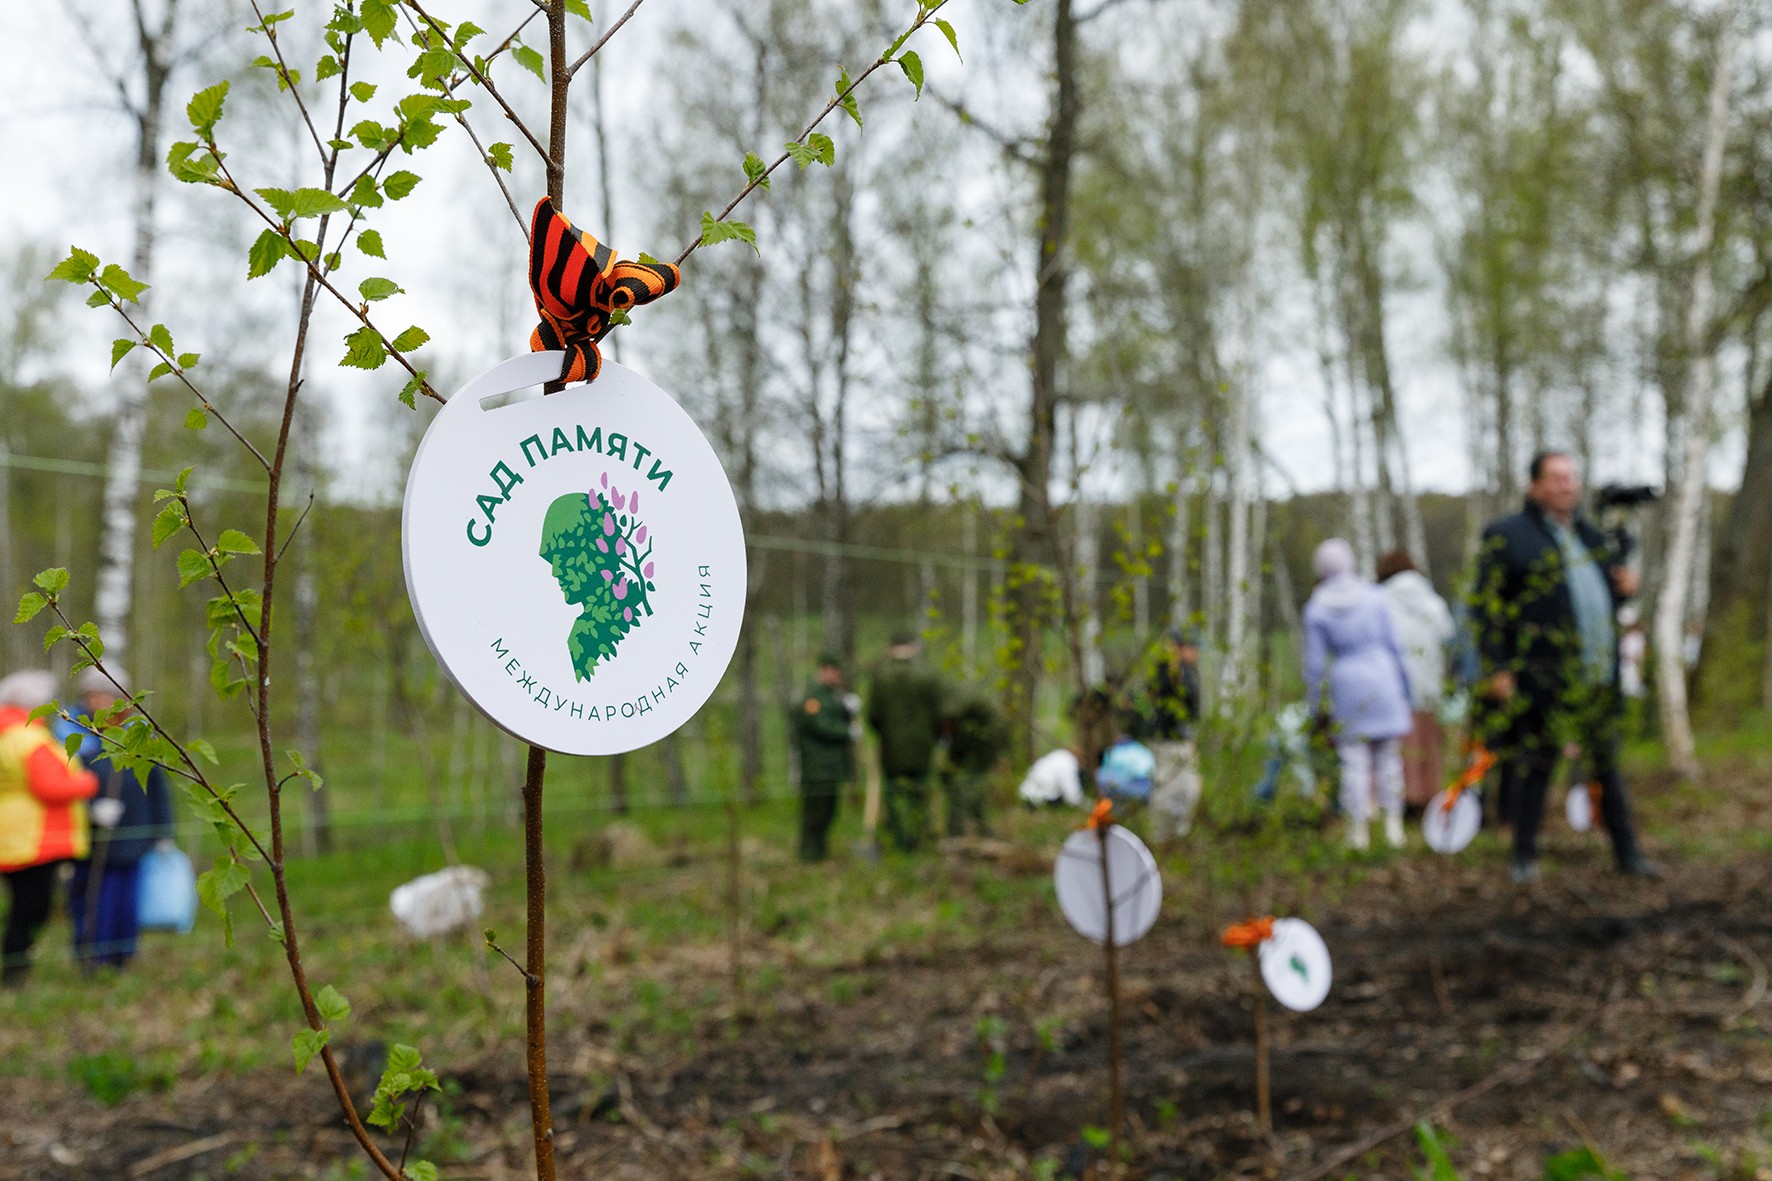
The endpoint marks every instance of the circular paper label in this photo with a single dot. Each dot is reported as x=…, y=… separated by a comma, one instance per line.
x=575, y=561
x=1132, y=876
x=1578, y=806
x=1295, y=965
x=1450, y=830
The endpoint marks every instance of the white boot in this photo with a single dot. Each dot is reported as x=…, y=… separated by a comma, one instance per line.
x=1357, y=840
x=1393, y=829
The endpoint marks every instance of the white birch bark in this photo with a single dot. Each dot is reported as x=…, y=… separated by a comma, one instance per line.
x=1089, y=587
x=1687, y=499
x=1178, y=539
x=1236, y=562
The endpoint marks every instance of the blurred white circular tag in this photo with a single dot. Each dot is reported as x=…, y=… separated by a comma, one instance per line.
x=1578, y=807
x=1449, y=830
x=1132, y=876
x=1295, y=965
x=575, y=561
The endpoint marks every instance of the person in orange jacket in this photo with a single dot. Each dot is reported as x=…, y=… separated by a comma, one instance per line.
x=42, y=815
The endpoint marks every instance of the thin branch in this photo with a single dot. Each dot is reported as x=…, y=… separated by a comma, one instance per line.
x=603, y=40
x=319, y=276
x=493, y=168
x=524, y=972
x=178, y=372
x=306, y=509
x=485, y=80
x=923, y=17
x=215, y=570
x=283, y=75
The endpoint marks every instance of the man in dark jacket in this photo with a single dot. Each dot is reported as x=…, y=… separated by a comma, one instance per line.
x=1544, y=605
x=904, y=709
x=1174, y=708
x=128, y=817
x=978, y=737
x=827, y=755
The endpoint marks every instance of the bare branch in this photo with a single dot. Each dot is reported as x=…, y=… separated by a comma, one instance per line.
x=603, y=40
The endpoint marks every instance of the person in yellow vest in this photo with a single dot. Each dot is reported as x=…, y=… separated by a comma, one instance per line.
x=43, y=819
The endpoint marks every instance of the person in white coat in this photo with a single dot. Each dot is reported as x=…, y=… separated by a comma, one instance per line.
x=1424, y=628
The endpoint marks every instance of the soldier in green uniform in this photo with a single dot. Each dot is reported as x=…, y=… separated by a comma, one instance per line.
x=905, y=711
x=827, y=755
x=977, y=737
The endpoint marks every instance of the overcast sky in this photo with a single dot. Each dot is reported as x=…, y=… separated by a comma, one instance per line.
x=457, y=251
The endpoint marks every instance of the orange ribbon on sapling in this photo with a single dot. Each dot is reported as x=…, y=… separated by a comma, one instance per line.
x=581, y=290
x=1102, y=816
x=1482, y=758
x=1249, y=933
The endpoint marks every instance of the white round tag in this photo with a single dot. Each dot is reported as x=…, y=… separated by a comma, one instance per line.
x=575, y=561
x=1450, y=830
x=1578, y=807
x=1132, y=876
x=1295, y=965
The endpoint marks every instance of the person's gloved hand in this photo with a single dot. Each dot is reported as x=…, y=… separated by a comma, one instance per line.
x=106, y=812
x=852, y=703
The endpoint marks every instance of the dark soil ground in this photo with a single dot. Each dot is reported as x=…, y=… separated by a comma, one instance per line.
x=1631, y=1016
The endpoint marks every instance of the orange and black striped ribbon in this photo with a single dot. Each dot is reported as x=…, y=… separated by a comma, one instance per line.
x=579, y=286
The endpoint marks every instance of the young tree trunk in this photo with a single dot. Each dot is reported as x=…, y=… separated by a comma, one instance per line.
x=1089, y=587
x=1744, y=558
x=1236, y=563
x=1686, y=506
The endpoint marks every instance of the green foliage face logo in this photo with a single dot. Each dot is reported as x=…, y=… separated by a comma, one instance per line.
x=601, y=555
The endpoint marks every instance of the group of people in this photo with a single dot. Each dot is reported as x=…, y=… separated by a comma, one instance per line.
x=1543, y=617
x=929, y=733
x=73, y=817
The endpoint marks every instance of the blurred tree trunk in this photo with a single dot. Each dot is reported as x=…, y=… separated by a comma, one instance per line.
x=114, y=593
x=1033, y=548
x=1686, y=507
x=1744, y=555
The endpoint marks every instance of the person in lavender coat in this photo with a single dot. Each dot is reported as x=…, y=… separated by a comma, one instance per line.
x=1350, y=641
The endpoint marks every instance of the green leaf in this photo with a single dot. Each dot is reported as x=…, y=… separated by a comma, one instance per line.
x=205, y=109
x=713, y=232
x=410, y=391
x=912, y=65
x=465, y=32
x=953, y=38
x=163, y=369
x=328, y=67
x=29, y=606
x=161, y=338
x=120, y=349
x=188, y=360
x=196, y=419
x=78, y=267
x=823, y=149
x=215, y=886
x=580, y=9
x=373, y=289
x=193, y=566
x=364, y=193
x=119, y=281
x=846, y=96
x=530, y=60
x=379, y=19
x=362, y=91
x=72, y=744
x=499, y=155
x=193, y=164
x=414, y=337
x=307, y=1044
x=364, y=349
x=232, y=541
x=268, y=249
x=332, y=1004
x=52, y=581
x=433, y=66
x=201, y=748
x=755, y=170
x=369, y=242
x=424, y=1170
x=399, y=184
